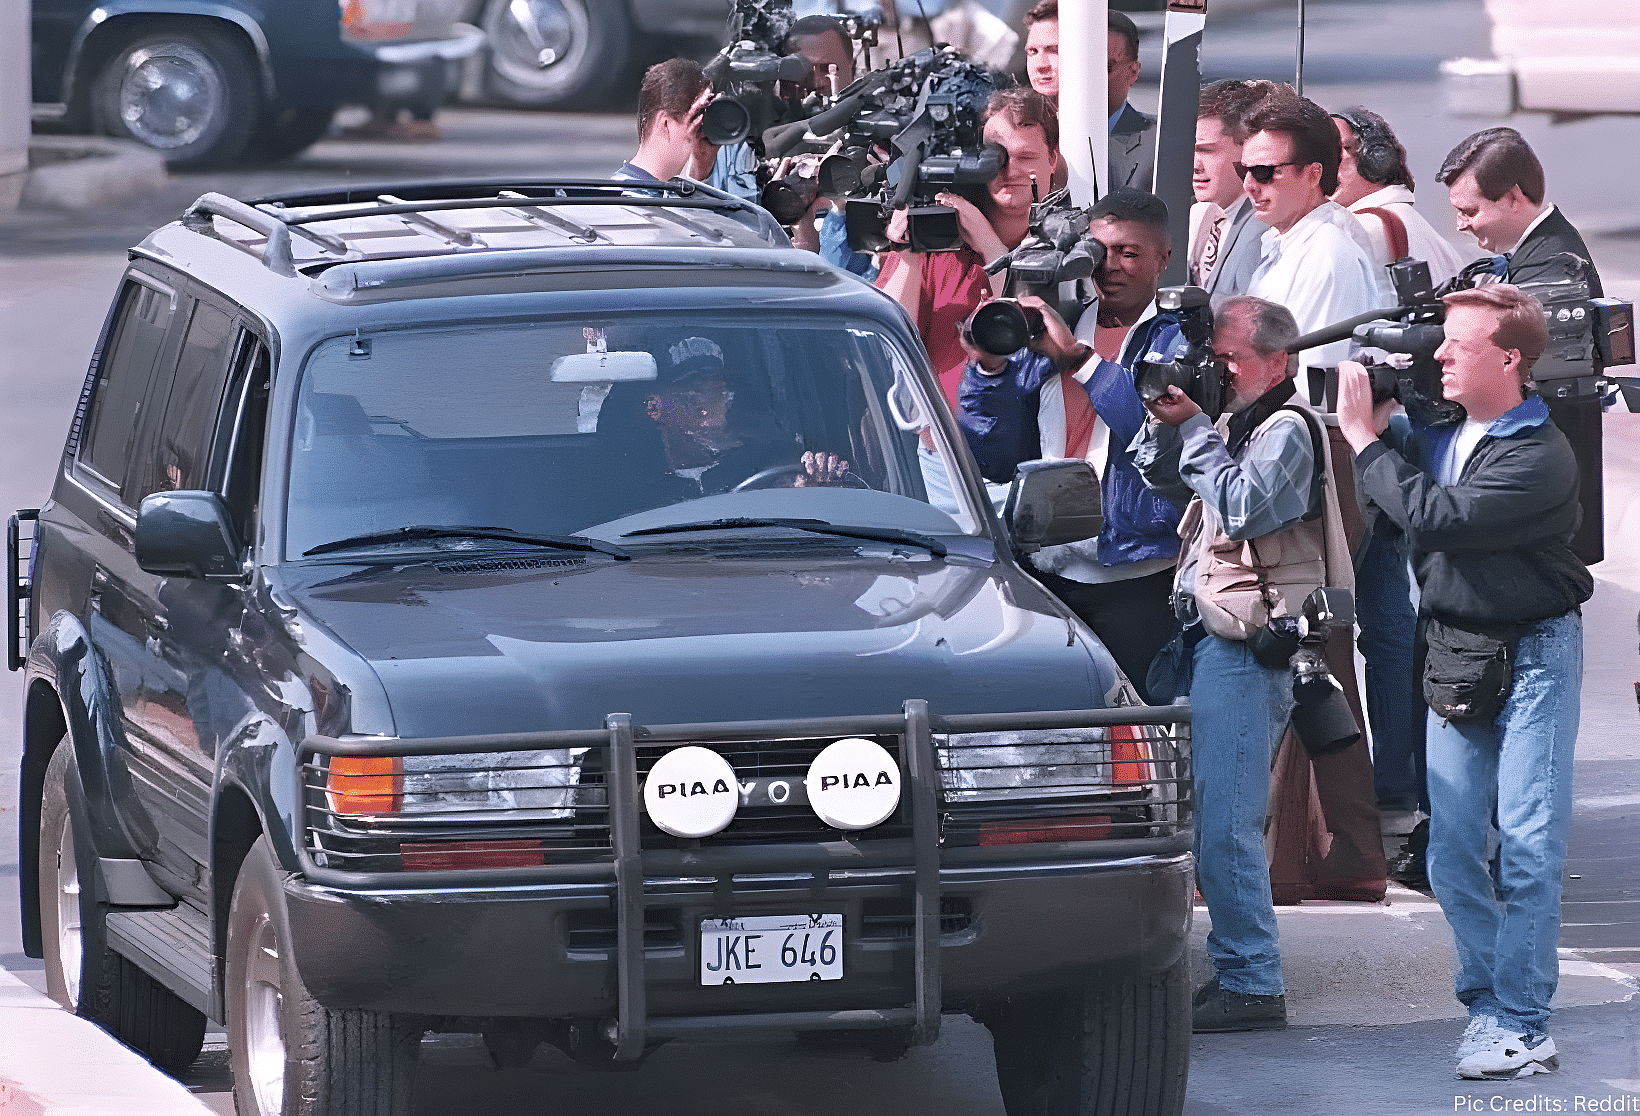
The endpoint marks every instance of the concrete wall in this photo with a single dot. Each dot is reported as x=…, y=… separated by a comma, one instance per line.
x=14, y=100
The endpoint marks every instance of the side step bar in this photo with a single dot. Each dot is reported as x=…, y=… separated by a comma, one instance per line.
x=174, y=947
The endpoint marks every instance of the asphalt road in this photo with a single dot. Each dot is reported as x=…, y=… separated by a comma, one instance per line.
x=1369, y=985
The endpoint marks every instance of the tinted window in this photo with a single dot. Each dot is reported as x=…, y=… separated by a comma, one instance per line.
x=517, y=426
x=122, y=379
x=180, y=456
x=238, y=452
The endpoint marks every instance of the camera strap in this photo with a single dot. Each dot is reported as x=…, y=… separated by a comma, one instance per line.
x=1394, y=228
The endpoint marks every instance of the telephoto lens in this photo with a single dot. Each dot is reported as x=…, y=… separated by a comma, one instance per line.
x=1002, y=327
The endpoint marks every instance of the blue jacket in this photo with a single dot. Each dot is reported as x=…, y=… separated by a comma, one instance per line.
x=999, y=418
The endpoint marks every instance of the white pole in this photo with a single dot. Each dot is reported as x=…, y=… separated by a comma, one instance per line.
x=14, y=100
x=1084, y=119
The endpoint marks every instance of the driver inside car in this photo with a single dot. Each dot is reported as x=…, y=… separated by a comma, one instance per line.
x=703, y=454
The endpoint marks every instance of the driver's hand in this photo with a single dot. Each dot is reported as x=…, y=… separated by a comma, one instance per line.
x=820, y=470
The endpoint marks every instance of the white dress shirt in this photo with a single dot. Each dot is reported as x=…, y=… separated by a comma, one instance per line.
x=1321, y=270
x=1423, y=242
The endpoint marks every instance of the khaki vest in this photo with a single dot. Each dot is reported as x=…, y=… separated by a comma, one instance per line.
x=1240, y=586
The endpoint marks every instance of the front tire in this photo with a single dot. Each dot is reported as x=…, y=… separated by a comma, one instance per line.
x=288, y=132
x=1118, y=1048
x=292, y=1056
x=589, y=42
x=82, y=973
x=186, y=90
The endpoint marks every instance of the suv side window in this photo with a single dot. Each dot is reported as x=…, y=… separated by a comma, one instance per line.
x=236, y=461
x=127, y=365
x=179, y=455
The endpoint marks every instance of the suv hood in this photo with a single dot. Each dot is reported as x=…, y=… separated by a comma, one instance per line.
x=526, y=642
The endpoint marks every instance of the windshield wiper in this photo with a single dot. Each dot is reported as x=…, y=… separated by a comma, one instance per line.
x=456, y=531
x=817, y=526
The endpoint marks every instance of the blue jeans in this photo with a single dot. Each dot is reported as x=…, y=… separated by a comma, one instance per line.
x=1385, y=597
x=1239, y=713
x=1515, y=772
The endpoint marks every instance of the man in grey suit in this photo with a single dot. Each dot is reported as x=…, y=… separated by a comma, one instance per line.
x=1224, y=246
x=1132, y=133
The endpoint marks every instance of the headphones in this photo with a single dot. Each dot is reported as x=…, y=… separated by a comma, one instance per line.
x=1377, y=155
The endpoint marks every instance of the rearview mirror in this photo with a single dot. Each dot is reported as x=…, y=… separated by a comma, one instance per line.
x=1054, y=502
x=603, y=368
x=187, y=534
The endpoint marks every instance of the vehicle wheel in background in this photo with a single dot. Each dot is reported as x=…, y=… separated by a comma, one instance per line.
x=1116, y=1049
x=82, y=973
x=288, y=132
x=188, y=90
x=558, y=54
x=290, y=1055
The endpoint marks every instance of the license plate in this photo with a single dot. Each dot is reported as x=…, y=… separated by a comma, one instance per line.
x=771, y=949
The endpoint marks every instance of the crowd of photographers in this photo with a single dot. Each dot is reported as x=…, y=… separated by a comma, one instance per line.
x=1239, y=516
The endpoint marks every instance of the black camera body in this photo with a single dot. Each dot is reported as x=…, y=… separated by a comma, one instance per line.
x=926, y=109
x=744, y=73
x=1197, y=372
x=1322, y=717
x=1059, y=250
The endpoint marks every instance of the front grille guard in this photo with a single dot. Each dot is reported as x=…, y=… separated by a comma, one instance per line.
x=632, y=1028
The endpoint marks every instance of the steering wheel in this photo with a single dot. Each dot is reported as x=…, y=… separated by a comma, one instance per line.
x=763, y=478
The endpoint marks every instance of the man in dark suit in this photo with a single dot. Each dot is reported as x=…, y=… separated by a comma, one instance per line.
x=1495, y=182
x=1132, y=133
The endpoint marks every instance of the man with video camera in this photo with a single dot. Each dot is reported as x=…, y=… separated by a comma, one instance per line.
x=1261, y=534
x=1060, y=399
x=940, y=290
x=1490, y=508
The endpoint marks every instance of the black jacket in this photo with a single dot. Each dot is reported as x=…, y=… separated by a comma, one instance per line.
x=1495, y=547
x=1554, y=235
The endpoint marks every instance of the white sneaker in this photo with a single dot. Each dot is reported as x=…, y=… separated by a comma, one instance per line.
x=1508, y=1054
x=1478, y=1035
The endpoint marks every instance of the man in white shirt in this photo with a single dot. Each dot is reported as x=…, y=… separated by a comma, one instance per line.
x=1224, y=237
x=1375, y=184
x=1316, y=258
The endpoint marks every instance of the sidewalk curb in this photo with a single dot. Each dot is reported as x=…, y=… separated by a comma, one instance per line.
x=79, y=172
x=56, y=1064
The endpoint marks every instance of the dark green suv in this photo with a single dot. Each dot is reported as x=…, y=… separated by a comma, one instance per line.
x=552, y=611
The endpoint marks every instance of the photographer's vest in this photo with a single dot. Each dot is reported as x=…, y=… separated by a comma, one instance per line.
x=1240, y=586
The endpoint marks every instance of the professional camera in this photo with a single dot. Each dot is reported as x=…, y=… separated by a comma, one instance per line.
x=924, y=108
x=1321, y=714
x=744, y=73
x=1059, y=250
x=1195, y=371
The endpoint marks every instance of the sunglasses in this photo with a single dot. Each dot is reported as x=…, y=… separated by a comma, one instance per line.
x=1263, y=173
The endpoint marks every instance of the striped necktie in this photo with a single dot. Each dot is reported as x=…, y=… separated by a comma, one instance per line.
x=1210, y=252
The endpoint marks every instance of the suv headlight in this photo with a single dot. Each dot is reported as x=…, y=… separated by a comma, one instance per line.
x=1044, y=763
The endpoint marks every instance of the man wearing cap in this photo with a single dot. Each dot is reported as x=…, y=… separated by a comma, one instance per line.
x=702, y=455
x=1067, y=398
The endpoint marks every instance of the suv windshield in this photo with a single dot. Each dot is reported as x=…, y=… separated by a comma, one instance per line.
x=607, y=426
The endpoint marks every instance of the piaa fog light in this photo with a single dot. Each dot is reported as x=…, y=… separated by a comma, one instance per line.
x=853, y=784
x=691, y=792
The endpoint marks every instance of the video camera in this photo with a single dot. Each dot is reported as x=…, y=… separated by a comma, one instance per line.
x=745, y=72
x=926, y=108
x=1197, y=371
x=1058, y=250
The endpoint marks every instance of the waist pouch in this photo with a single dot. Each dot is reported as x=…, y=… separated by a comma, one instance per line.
x=1468, y=670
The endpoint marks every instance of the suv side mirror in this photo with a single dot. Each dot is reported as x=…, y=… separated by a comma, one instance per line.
x=187, y=534
x=1054, y=502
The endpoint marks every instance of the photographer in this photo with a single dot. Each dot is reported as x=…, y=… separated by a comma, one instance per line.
x=1261, y=533
x=941, y=289
x=1490, y=508
x=1060, y=399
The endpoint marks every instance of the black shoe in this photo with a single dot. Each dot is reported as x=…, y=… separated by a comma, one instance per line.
x=1408, y=869
x=1217, y=1009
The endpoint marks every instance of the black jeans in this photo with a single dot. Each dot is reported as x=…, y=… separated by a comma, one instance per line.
x=1133, y=618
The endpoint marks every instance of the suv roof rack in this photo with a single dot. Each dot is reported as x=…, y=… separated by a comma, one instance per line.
x=305, y=230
